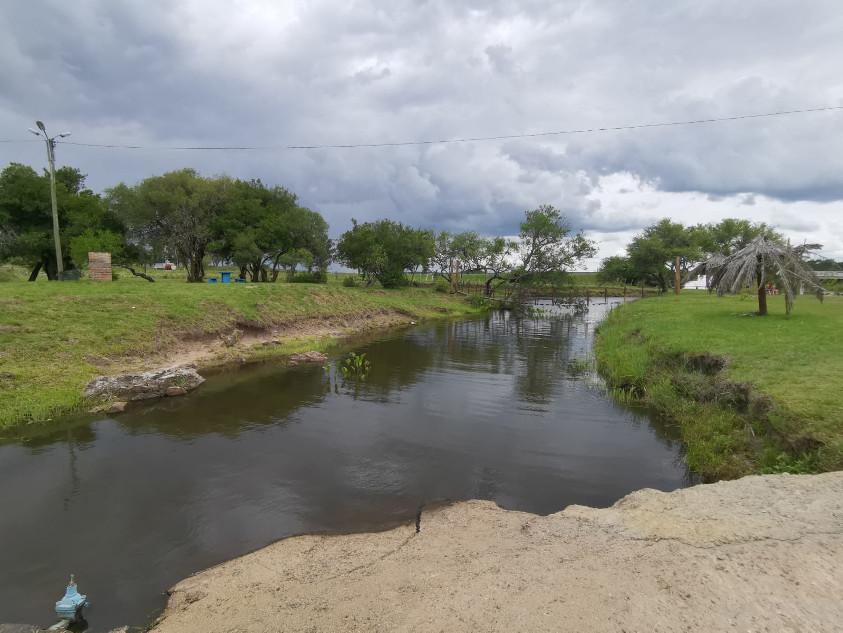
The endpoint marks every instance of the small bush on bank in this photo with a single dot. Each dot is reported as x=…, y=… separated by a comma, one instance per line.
x=318, y=277
x=350, y=281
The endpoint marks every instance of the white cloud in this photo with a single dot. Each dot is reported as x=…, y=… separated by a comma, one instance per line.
x=307, y=72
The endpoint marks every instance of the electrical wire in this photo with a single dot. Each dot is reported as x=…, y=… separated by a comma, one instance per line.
x=443, y=141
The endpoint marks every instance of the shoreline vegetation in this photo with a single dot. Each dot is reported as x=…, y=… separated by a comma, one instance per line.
x=750, y=394
x=56, y=337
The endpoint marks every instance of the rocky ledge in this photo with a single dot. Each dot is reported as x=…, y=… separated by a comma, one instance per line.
x=169, y=381
x=757, y=554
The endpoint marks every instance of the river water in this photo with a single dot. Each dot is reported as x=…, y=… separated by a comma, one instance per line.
x=489, y=408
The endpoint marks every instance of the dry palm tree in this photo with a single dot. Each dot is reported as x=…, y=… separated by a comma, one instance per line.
x=750, y=266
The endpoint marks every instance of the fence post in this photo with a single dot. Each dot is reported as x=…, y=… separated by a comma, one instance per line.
x=624, y=293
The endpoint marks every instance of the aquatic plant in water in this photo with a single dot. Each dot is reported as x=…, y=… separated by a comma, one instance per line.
x=355, y=366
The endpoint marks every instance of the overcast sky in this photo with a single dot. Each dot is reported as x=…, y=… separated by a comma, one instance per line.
x=268, y=72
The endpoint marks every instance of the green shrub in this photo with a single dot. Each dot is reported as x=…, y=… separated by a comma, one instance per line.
x=442, y=286
x=350, y=281
x=318, y=277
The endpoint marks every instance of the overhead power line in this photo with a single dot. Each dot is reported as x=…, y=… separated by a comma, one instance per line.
x=442, y=141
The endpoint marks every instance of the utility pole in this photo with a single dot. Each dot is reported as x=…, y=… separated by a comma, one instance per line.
x=677, y=275
x=51, y=158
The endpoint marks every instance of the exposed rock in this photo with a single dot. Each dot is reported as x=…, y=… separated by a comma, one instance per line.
x=19, y=628
x=150, y=384
x=175, y=391
x=757, y=554
x=308, y=357
x=117, y=407
x=110, y=407
x=232, y=338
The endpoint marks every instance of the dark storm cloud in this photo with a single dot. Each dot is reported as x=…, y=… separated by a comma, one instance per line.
x=263, y=72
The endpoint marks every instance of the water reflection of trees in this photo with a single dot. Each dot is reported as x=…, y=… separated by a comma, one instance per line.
x=536, y=352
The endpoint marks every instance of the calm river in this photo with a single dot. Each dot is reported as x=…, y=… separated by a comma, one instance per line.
x=487, y=408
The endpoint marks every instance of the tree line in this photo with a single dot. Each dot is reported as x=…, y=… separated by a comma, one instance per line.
x=732, y=254
x=179, y=215
x=651, y=257
x=260, y=229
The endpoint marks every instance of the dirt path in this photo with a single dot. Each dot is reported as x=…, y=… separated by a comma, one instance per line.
x=758, y=554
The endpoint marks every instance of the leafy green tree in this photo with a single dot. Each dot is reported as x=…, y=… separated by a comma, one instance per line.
x=732, y=234
x=456, y=252
x=264, y=231
x=26, y=226
x=176, y=209
x=652, y=253
x=384, y=250
x=825, y=264
x=98, y=241
x=618, y=269
x=547, y=248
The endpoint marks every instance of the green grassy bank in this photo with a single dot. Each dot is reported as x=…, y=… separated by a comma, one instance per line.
x=55, y=337
x=750, y=394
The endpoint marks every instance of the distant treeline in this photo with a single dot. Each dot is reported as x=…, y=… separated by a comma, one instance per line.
x=260, y=229
x=263, y=230
x=652, y=255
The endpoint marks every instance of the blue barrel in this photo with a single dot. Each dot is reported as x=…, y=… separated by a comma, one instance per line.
x=225, y=278
x=212, y=280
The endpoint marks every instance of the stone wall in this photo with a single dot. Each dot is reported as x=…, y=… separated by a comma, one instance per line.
x=99, y=266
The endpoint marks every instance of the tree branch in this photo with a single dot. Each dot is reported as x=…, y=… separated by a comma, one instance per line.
x=137, y=274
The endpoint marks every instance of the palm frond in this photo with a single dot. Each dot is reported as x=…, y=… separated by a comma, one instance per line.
x=748, y=267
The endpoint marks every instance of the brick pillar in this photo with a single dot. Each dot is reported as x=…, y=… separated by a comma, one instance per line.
x=99, y=266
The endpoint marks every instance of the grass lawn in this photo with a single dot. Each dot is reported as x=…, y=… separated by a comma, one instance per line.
x=54, y=336
x=790, y=418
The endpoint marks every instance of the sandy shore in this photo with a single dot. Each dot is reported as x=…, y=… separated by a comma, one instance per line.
x=757, y=554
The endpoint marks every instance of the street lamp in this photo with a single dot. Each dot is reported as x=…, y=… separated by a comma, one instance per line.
x=51, y=158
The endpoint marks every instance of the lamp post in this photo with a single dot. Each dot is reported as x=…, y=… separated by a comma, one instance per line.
x=51, y=158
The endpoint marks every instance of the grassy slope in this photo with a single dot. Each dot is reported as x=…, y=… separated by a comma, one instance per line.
x=52, y=335
x=797, y=361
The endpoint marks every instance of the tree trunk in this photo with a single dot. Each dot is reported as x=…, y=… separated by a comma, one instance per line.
x=762, y=296
x=195, y=271
x=488, y=285
x=51, y=269
x=37, y=269
x=677, y=277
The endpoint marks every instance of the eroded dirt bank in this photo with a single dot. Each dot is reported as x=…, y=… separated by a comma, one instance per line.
x=756, y=554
